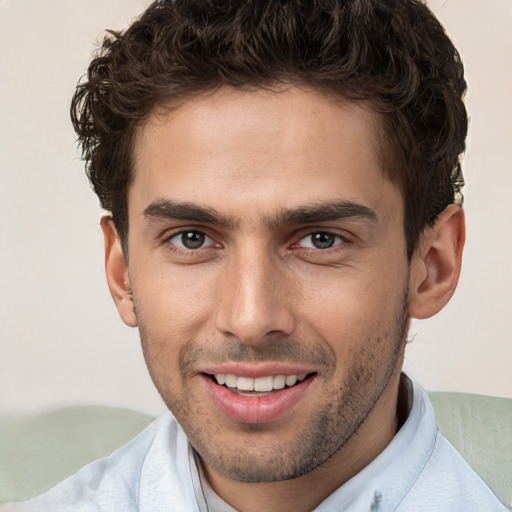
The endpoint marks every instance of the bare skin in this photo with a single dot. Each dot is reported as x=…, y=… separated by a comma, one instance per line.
x=265, y=240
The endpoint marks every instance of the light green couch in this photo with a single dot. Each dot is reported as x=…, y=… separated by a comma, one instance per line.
x=38, y=451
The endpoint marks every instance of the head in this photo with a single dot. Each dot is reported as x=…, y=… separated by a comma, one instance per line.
x=281, y=177
x=394, y=56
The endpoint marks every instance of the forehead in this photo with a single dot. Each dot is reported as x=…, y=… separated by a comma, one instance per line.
x=248, y=150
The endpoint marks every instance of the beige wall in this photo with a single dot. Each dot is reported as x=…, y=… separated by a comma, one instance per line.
x=60, y=338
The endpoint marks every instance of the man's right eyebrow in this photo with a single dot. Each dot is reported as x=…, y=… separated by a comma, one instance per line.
x=165, y=209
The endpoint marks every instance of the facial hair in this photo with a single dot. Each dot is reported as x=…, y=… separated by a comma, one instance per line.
x=339, y=415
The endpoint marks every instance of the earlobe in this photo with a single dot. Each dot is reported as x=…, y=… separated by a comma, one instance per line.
x=116, y=270
x=436, y=264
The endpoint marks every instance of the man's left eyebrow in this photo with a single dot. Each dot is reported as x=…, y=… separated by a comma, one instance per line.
x=322, y=213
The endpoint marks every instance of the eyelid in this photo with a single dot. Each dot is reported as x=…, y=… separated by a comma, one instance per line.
x=302, y=244
x=212, y=238
x=171, y=235
x=305, y=233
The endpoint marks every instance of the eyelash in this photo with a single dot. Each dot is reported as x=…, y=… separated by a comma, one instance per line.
x=185, y=250
x=342, y=240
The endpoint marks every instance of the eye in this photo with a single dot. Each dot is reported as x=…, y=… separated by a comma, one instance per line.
x=191, y=239
x=321, y=240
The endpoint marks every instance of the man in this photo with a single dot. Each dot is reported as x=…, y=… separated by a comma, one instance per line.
x=283, y=186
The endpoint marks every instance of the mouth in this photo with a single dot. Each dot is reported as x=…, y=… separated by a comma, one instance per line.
x=259, y=386
x=260, y=398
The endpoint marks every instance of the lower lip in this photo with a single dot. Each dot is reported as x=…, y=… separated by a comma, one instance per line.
x=256, y=409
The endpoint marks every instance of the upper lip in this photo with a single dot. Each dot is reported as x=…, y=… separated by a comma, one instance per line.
x=255, y=370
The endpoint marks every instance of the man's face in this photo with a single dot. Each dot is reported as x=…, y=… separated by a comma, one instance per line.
x=267, y=248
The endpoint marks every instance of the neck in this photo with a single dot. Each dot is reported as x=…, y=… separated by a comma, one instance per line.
x=306, y=492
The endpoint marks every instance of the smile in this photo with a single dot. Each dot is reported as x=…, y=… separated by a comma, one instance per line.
x=259, y=399
x=259, y=384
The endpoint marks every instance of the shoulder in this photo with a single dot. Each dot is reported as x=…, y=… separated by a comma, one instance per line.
x=107, y=484
x=446, y=482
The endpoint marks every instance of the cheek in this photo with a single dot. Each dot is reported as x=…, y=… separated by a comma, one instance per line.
x=174, y=301
x=172, y=311
x=352, y=300
x=354, y=312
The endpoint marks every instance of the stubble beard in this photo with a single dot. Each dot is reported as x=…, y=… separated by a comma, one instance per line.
x=336, y=423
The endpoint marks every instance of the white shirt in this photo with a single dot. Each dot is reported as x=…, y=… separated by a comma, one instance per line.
x=419, y=471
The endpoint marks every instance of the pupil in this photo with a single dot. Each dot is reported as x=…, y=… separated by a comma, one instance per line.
x=192, y=239
x=323, y=240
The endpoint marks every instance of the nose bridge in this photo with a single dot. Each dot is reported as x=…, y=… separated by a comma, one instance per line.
x=252, y=301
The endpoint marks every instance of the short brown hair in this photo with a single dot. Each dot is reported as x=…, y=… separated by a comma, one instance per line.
x=393, y=54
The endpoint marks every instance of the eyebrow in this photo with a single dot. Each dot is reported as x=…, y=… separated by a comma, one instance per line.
x=163, y=209
x=323, y=212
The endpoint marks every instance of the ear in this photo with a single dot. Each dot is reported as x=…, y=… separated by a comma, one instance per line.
x=116, y=270
x=436, y=264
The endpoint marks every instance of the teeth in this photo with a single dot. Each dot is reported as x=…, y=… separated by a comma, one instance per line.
x=264, y=384
x=260, y=384
x=245, y=383
x=291, y=380
x=230, y=381
x=279, y=382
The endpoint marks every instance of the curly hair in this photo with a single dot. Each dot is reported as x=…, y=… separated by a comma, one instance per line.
x=392, y=54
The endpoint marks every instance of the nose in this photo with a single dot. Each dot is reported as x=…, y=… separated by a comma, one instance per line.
x=253, y=298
